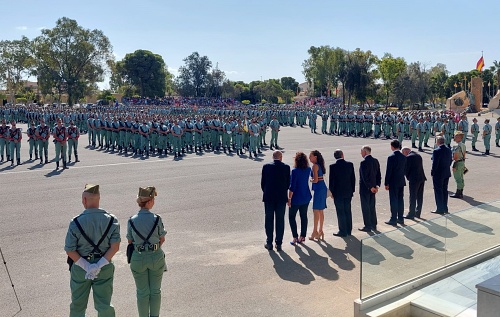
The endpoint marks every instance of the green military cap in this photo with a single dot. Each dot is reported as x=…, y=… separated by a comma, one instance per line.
x=149, y=191
x=91, y=189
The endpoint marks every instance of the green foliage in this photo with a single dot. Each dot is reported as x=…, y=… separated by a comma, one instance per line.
x=324, y=68
x=21, y=100
x=193, y=79
x=389, y=69
x=70, y=58
x=105, y=94
x=142, y=72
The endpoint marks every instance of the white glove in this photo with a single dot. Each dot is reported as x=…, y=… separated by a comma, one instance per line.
x=92, y=272
x=102, y=262
x=84, y=264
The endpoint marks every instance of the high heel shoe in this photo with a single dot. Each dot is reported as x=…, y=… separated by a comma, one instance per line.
x=321, y=236
x=294, y=241
x=301, y=239
x=314, y=236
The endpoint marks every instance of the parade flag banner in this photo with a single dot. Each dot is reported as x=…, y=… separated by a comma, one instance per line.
x=480, y=64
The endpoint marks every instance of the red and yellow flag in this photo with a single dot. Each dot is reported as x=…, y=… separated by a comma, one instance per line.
x=480, y=64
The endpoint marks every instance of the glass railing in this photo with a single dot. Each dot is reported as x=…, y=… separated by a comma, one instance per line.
x=399, y=256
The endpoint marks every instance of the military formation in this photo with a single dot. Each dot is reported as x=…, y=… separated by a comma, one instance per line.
x=180, y=128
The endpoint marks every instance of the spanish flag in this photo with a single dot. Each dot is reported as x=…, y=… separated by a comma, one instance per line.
x=480, y=64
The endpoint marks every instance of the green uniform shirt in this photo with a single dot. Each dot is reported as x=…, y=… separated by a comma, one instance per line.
x=143, y=222
x=94, y=222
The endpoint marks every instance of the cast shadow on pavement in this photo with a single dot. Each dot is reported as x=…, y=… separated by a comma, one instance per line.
x=339, y=256
x=359, y=250
x=55, y=172
x=315, y=263
x=396, y=248
x=423, y=239
x=470, y=225
x=289, y=270
x=438, y=230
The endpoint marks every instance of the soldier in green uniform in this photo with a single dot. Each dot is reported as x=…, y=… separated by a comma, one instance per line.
x=400, y=127
x=92, y=268
x=421, y=132
x=31, y=133
x=487, y=136
x=146, y=232
x=474, y=130
x=60, y=140
x=428, y=129
x=42, y=135
x=463, y=126
x=4, y=140
x=177, y=133
x=459, y=153
x=497, y=132
x=73, y=136
x=275, y=128
x=15, y=143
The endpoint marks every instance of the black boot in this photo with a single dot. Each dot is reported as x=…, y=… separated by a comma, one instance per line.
x=458, y=194
x=18, y=161
x=36, y=156
x=64, y=165
x=12, y=162
x=57, y=165
x=474, y=149
x=76, y=158
x=31, y=157
x=69, y=159
x=1, y=160
x=46, y=160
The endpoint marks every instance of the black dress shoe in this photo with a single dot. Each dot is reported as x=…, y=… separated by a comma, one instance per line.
x=391, y=223
x=338, y=234
x=268, y=246
x=278, y=247
x=437, y=212
x=401, y=222
x=364, y=229
x=409, y=217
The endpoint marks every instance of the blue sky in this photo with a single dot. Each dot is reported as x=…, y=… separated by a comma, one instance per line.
x=258, y=39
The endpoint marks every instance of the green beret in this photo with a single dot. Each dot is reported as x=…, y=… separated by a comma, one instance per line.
x=91, y=189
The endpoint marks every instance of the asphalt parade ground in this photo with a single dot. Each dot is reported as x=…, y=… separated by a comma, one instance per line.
x=212, y=209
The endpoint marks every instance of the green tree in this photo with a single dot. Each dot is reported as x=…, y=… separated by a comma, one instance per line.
x=390, y=68
x=145, y=71
x=324, y=68
x=289, y=83
x=16, y=64
x=360, y=74
x=215, y=81
x=71, y=58
x=438, y=76
x=419, y=91
x=192, y=79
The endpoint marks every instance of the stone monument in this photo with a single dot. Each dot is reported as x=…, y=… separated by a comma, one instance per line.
x=476, y=89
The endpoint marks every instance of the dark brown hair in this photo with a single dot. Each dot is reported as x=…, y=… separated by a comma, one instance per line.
x=301, y=160
x=320, y=160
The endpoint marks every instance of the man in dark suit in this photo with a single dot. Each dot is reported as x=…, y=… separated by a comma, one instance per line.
x=416, y=178
x=274, y=183
x=440, y=172
x=395, y=183
x=369, y=182
x=342, y=182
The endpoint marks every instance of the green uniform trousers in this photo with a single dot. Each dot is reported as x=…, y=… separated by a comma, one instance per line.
x=458, y=174
x=43, y=146
x=147, y=268
x=15, y=148
x=61, y=150
x=102, y=288
x=72, y=146
x=274, y=138
x=32, y=143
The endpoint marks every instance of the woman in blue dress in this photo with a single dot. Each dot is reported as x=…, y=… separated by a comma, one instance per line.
x=320, y=192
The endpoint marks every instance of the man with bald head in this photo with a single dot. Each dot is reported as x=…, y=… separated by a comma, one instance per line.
x=274, y=183
x=92, y=240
